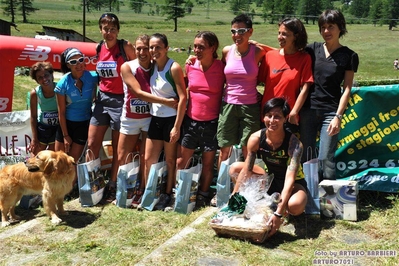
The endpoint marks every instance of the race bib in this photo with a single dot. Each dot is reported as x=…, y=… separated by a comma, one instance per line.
x=107, y=69
x=138, y=106
x=50, y=118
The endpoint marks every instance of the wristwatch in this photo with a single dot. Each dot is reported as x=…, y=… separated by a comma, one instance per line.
x=339, y=116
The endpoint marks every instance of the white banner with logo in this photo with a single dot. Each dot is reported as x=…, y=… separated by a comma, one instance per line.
x=15, y=136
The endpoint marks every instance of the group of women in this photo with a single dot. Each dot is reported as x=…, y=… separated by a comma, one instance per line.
x=302, y=93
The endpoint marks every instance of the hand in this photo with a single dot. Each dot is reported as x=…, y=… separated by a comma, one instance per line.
x=67, y=143
x=191, y=60
x=274, y=223
x=334, y=127
x=174, y=135
x=293, y=119
x=172, y=103
x=33, y=145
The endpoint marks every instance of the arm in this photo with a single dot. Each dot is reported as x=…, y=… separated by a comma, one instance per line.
x=33, y=121
x=293, y=117
x=295, y=150
x=178, y=78
x=129, y=50
x=62, y=118
x=134, y=86
x=335, y=124
x=225, y=50
x=249, y=164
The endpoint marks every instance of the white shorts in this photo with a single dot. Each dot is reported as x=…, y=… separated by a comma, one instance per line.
x=130, y=126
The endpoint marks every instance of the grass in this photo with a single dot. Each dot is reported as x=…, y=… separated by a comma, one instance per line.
x=107, y=235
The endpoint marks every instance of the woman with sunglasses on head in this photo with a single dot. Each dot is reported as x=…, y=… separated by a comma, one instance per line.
x=334, y=67
x=109, y=100
x=287, y=72
x=43, y=108
x=240, y=111
x=167, y=81
x=75, y=93
x=205, y=87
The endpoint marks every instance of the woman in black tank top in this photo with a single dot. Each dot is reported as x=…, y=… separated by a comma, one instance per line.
x=281, y=151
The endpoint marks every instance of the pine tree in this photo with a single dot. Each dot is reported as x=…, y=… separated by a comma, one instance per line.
x=10, y=8
x=174, y=9
x=26, y=8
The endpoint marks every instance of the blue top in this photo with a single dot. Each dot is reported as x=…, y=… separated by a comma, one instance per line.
x=78, y=103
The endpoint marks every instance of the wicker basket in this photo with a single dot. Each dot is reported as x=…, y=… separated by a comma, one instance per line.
x=254, y=235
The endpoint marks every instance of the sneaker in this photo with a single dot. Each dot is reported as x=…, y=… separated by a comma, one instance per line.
x=213, y=202
x=201, y=202
x=164, y=200
x=137, y=198
x=110, y=196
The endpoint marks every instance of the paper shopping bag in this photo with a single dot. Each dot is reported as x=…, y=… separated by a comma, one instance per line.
x=310, y=170
x=223, y=185
x=187, y=187
x=155, y=180
x=90, y=181
x=127, y=182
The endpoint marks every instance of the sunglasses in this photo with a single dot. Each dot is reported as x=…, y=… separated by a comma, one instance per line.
x=109, y=15
x=76, y=61
x=239, y=31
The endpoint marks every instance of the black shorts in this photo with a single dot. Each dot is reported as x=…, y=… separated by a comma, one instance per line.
x=46, y=134
x=278, y=185
x=77, y=130
x=199, y=134
x=160, y=128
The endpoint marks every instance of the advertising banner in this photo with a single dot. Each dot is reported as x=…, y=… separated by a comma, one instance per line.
x=369, y=137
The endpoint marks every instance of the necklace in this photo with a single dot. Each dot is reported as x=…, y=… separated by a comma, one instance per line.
x=244, y=53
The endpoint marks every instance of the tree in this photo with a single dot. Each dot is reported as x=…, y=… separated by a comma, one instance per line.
x=174, y=9
x=26, y=8
x=137, y=5
x=391, y=12
x=10, y=8
x=189, y=6
x=376, y=11
x=360, y=8
x=239, y=6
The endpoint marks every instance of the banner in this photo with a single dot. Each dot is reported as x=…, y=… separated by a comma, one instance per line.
x=15, y=136
x=369, y=137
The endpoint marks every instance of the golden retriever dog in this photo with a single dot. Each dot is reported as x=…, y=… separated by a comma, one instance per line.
x=49, y=173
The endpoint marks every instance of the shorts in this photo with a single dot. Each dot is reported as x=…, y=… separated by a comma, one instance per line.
x=131, y=126
x=278, y=185
x=199, y=134
x=77, y=130
x=46, y=134
x=237, y=123
x=160, y=128
x=107, y=110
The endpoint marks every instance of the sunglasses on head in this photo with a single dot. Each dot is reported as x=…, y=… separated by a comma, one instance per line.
x=108, y=15
x=239, y=31
x=76, y=61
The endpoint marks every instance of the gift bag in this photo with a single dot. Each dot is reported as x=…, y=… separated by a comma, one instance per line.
x=155, y=181
x=127, y=181
x=310, y=170
x=223, y=185
x=186, y=189
x=90, y=181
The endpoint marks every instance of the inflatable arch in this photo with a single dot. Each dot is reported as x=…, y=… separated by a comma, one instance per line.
x=24, y=52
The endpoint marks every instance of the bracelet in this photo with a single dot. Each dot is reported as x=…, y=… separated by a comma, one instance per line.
x=278, y=215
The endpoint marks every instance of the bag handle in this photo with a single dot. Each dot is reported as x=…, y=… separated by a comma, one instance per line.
x=309, y=150
x=134, y=155
x=192, y=162
x=91, y=153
